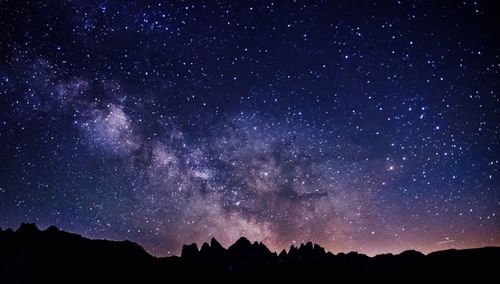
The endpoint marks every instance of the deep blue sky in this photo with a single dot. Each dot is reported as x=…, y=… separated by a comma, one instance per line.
x=360, y=125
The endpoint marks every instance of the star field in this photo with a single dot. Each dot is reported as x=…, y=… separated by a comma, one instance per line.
x=369, y=126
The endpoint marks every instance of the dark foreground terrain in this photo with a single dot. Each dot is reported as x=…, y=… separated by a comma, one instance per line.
x=32, y=255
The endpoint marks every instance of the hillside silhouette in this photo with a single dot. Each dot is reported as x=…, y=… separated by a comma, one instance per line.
x=31, y=255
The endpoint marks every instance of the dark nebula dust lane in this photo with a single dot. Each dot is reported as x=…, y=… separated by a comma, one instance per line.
x=369, y=126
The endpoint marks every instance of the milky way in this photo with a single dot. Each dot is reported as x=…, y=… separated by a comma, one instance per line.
x=370, y=126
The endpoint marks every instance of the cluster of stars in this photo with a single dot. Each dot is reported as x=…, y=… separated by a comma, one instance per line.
x=369, y=127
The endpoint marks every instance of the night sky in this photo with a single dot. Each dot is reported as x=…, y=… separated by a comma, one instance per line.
x=359, y=125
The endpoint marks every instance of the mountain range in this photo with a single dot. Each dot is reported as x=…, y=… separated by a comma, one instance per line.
x=31, y=255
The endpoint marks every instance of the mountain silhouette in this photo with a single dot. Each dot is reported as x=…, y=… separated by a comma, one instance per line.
x=31, y=255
